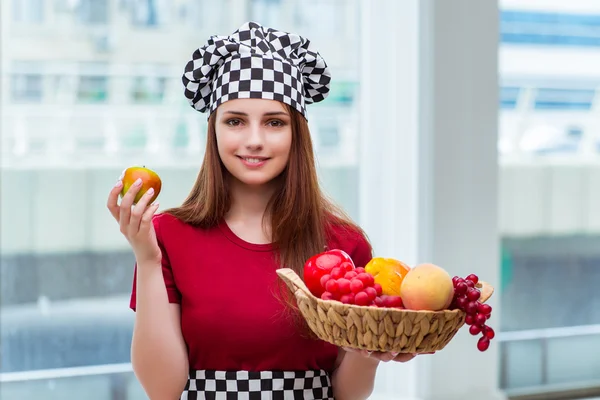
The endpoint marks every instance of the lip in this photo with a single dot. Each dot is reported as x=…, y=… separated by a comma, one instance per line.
x=263, y=161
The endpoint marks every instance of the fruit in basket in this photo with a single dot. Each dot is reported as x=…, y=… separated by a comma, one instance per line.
x=391, y=301
x=334, y=262
x=427, y=287
x=466, y=298
x=356, y=287
x=389, y=273
x=150, y=179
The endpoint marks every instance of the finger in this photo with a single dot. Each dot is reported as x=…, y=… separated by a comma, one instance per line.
x=113, y=199
x=385, y=357
x=404, y=357
x=126, y=203
x=146, y=222
x=138, y=211
x=365, y=353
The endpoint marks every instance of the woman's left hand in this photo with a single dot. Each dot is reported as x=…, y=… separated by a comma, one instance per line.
x=384, y=356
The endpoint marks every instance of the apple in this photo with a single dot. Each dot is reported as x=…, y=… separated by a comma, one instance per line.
x=323, y=264
x=150, y=179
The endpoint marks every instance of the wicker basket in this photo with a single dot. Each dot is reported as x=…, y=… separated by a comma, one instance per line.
x=377, y=329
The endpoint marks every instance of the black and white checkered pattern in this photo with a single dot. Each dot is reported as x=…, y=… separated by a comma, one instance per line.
x=256, y=62
x=263, y=385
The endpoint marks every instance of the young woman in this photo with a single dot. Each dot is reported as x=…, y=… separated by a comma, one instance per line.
x=212, y=320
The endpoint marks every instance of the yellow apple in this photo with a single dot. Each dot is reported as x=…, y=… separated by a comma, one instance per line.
x=150, y=179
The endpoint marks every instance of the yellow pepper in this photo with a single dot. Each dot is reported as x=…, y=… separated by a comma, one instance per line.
x=389, y=273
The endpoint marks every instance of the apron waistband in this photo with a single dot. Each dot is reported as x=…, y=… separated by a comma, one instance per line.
x=258, y=385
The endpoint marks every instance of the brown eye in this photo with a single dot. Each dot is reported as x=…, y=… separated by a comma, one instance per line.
x=233, y=122
x=276, y=123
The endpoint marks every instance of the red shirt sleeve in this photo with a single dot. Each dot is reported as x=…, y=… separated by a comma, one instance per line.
x=362, y=253
x=353, y=242
x=172, y=292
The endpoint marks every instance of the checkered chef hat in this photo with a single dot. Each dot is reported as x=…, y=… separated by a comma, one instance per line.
x=256, y=62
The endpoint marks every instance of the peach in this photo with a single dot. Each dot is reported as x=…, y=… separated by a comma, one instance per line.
x=427, y=287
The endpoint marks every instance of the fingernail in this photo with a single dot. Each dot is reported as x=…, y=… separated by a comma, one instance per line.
x=395, y=354
x=138, y=182
x=119, y=183
x=150, y=192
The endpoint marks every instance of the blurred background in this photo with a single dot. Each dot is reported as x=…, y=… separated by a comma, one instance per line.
x=90, y=87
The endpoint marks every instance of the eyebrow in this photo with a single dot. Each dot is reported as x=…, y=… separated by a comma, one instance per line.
x=268, y=113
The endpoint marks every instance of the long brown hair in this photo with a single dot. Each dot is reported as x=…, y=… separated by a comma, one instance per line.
x=301, y=215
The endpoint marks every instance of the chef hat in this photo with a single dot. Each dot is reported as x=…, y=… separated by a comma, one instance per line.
x=256, y=62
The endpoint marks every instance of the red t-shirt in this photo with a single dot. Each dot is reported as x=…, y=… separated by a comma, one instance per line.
x=231, y=317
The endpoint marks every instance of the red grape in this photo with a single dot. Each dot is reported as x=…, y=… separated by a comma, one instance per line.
x=488, y=332
x=350, y=274
x=346, y=266
x=361, y=299
x=332, y=286
x=461, y=288
x=327, y=296
x=471, y=308
x=473, y=278
x=371, y=292
x=483, y=343
x=347, y=298
x=324, y=280
x=473, y=294
x=337, y=273
x=455, y=280
x=356, y=285
x=378, y=288
x=344, y=285
x=462, y=302
x=484, y=309
x=480, y=319
x=367, y=279
x=474, y=330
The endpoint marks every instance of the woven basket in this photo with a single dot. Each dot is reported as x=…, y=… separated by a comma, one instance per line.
x=377, y=329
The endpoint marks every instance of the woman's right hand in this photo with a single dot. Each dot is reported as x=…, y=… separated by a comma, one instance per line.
x=136, y=222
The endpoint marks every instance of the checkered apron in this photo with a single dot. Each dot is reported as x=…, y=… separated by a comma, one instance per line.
x=260, y=385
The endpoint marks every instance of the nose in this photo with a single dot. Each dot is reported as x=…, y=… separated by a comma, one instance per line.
x=255, y=139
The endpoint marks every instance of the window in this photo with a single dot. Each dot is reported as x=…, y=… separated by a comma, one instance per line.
x=549, y=28
x=28, y=11
x=148, y=89
x=548, y=206
x=27, y=87
x=66, y=270
x=149, y=13
x=94, y=12
x=93, y=89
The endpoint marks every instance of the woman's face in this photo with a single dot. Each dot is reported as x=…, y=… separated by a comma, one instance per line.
x=254, y=137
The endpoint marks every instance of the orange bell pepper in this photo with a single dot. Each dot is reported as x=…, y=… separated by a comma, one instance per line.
x=389, y=273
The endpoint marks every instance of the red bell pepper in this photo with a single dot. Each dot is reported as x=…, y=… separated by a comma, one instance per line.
x=321, y=264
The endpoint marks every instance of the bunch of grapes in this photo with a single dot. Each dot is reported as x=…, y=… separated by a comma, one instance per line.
x=466, y=298
x=355, y=286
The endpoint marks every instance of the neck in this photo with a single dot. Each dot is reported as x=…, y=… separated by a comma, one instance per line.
x=248, y=203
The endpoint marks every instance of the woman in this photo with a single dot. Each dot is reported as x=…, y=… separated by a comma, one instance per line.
x=211, y=318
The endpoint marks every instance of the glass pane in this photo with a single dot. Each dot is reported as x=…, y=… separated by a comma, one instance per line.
x=574, y=359
x=107, y=95
x=549, y=204
x=522, y=364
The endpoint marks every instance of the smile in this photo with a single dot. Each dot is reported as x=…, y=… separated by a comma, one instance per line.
x=253, y=161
